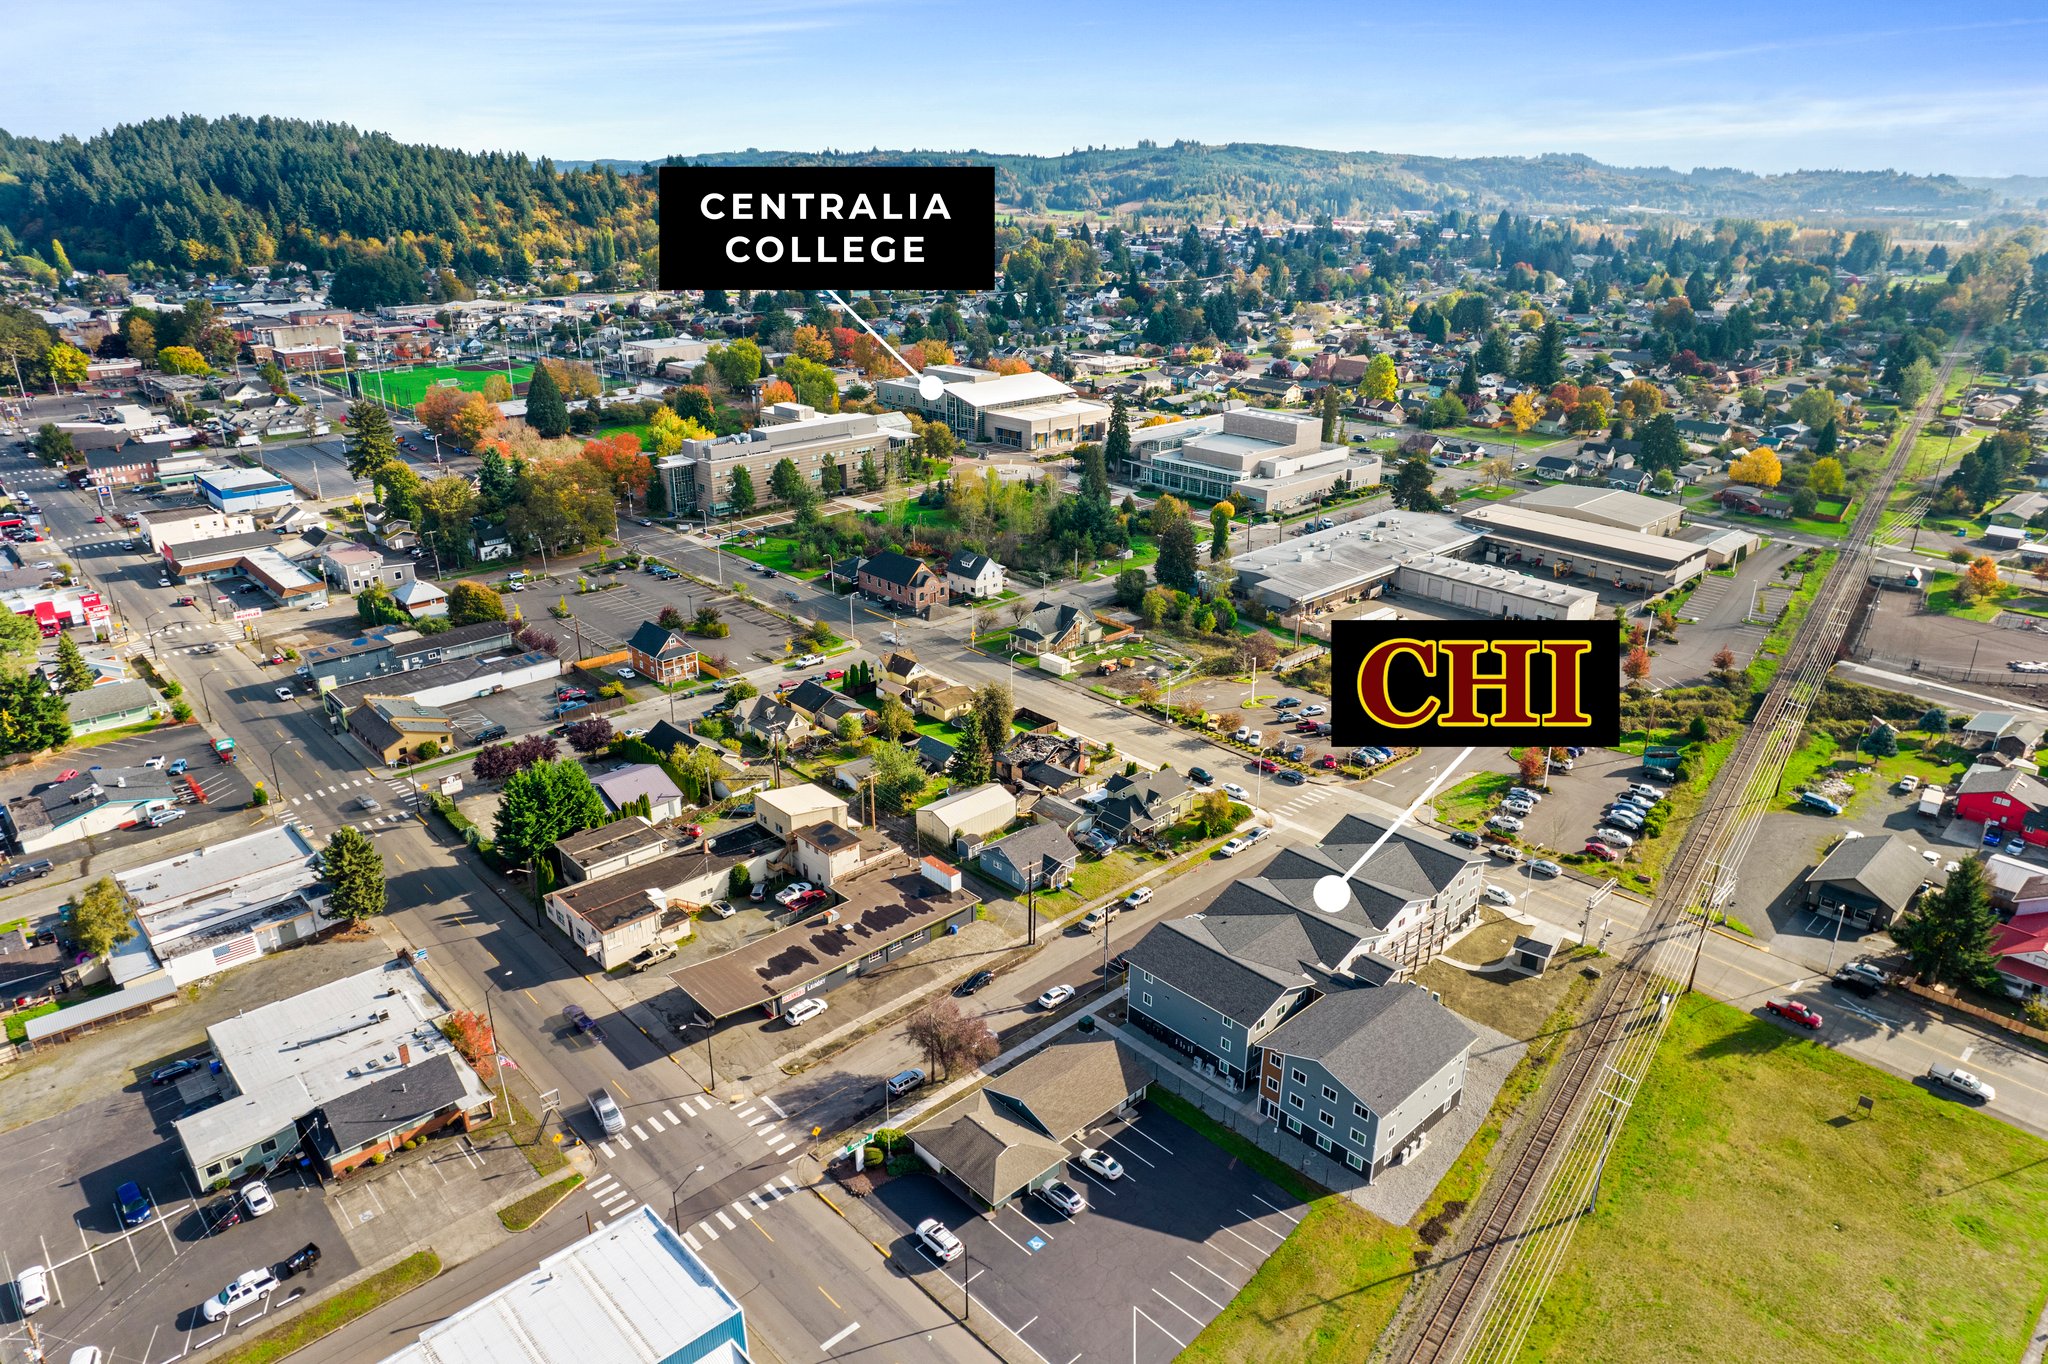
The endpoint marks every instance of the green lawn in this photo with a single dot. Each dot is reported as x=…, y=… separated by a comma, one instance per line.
x=776, y=552
x=1471, y=800
x=1528, y=440
x=905, y=511
x=405, y=387
x=1765, y=665
x=1750, y=1212
x=1942, y=599
x=522, y=1213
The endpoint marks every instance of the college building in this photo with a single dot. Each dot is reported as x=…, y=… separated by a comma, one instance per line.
x=698, y=479
x=1260, y=460
x=1028, y=411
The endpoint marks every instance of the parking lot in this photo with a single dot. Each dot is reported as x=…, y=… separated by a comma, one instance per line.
x=223, y=787
x=1156, y=1256
x=1570, y=810
x=135, y=1292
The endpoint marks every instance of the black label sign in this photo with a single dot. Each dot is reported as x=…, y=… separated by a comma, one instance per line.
x=828, y=227
x=1449, y=683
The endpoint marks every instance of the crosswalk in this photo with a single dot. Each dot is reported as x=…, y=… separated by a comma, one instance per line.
x=615, y=1200
x=303, y=806
x=761, y=1116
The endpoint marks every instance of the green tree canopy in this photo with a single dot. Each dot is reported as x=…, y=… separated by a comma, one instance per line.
x=1948, y=932
x=543, y=804
x=355, y=870
x=99, y=919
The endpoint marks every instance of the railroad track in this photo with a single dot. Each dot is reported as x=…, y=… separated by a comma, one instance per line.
x=1482, y=1311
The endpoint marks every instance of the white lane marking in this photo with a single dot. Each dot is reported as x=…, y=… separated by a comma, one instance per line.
x=1137, y=1312
x=756, y=1122
x=793, y=1185
x=827, y=1344
x=1212, y=1273
x=775, y=1106
x=769, y=1134
x=691, y=1242
x=725, y=1221
x=624, y=1145
x=641, y=1133
x=756, y=1199
x=1282, y=1211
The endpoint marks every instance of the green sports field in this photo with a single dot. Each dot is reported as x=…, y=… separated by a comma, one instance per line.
x=405, y=387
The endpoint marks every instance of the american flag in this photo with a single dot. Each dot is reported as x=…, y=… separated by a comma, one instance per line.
x=234, y=951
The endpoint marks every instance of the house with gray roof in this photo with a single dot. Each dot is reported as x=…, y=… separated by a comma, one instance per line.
x=111, y=706
x=1140, y=804
x=1040, y=857
x=1362, y=1074
x=1868, y=881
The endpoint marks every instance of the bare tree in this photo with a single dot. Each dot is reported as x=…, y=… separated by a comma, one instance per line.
x=1018, y=610
x=949, y=1040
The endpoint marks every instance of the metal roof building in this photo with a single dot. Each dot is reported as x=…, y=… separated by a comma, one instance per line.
x=629, y=1293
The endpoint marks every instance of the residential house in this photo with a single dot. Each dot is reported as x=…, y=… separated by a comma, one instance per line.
x=2008, y=798
x=937, y=698
x=1553, y=469
x=2019, y=948
x=1363, y=1074
x=784, y=810
x=661, y=655
x=2003, y=732
x=903, y=582
x=972, y=576
x=830, y=855
x=1043, y=761
x=1040, y=857
x=351, y=567
x=609, y=848
x=1867, y=882
x=421, y=599
x=1137, y=806
x=768, y=721
x=612, y=918
x=622, y=786
x=899, y=670
x=111, y=706
x=1055, y=629
x=971, y=814
x=934, y=755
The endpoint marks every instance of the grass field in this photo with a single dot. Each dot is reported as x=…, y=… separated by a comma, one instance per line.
x=405, y=387
x=1473, y=799
x=777, y=553
x=1942, y=599
x=337, y=1311
x=1749, y=1212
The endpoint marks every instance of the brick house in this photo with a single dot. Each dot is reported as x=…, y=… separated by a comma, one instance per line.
x=661, y=655
x=907, y=584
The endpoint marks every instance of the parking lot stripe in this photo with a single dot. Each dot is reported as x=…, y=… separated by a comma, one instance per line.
x=1149, y=1137
x=1282, y=1211
x=1212, y=1273
x=673, y=1121
x=1134, y=1155
x=1137, y=1312
x=1198, y=1292
x=650, y=1121
x=1261, y=1250
x=1007, y=1237
x=708, y=1230
x=1178, y=1308
x=725, y=1221
x=1226, y=1255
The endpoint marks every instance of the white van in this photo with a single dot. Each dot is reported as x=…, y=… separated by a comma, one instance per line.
x=803, y=1011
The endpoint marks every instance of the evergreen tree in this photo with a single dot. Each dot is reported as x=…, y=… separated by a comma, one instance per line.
x=656, y=503
x=1829, y=439
x=1219, y=531
x=1493, y=353
x=32, y=717
x=72, y=673
x=742, y=491
x=993, y=710
x=971, y=757
x=1330, y=415
x=1468, y=380
x=1544, y=363
x=1948, y=932
x=1094, y=474
x=546, y=413
x=355, y=869
x=1116, y=451
x=370, y=443
x=1177, y=557
x=498, y=482
x=1662, y=448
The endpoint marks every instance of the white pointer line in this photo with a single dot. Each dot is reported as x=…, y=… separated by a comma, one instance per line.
x=1408, y=813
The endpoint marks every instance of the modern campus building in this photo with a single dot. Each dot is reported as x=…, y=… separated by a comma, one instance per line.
x=1029, y=411
x=698, y=479
x=1261, y=460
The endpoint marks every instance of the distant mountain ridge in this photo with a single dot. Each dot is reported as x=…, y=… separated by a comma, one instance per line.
x=1244, y=177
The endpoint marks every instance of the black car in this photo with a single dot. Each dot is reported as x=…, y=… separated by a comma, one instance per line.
x=1854, y=984
x=300, y=1260
x=977, y=981
x=176, y=1070
x=1200, y=776
x=1464, y=838
x=26, y=871
x=490, y=732
x=1291, y=776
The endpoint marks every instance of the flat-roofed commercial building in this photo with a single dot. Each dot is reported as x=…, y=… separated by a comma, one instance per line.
x=1261, y=460
x=1328, y=569
x=1539, y=542
x=1606, y=507
x=1490, y=590
x=698, y=478
x=1028, y=411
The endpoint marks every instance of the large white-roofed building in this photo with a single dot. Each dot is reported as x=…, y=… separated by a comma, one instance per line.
x=631, y=1292
x=1262, y=461
x=1028, y=411
x=1559, y=547
x=1606, y=507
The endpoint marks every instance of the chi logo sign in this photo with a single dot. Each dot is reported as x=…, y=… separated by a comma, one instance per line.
x=1471, y=682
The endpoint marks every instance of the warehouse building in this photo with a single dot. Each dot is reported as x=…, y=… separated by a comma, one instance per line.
x=245, y=490
x=1606, y=507
x=1327, y=569
x=1544, y=543
x=1490, y=590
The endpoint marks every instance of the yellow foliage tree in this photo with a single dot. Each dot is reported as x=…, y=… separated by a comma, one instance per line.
x=1759, y=466
x=476, y=419
x=1521, y=412
x=1981, y=578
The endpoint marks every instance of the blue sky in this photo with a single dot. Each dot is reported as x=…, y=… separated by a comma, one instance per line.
x=1761, y=86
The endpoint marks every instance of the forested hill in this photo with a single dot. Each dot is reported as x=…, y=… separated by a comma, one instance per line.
x=1300, y=182
x=218, y=194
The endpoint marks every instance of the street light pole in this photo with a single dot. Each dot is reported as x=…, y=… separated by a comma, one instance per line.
x=675, y=1199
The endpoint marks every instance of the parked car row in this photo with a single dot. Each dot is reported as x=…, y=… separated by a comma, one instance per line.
x=1621, y=822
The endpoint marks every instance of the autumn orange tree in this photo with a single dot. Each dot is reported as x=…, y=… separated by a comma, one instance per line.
x=473, y=1039
x=1980, y=579
x=437, y=407
x=812, y=344
x=1637, y=665
x=1531, y=765
x=777, y=391
x=475, y=420
x=622, y=463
